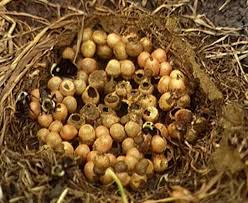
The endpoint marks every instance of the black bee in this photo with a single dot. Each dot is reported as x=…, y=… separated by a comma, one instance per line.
x=47, y=101
x=48, y=105
x=149, y=128
x=24, y=98
x=65, y=68
x=22, y=104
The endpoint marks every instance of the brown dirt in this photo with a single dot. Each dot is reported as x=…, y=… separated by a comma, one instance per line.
x=234, y=14
x=213, y=169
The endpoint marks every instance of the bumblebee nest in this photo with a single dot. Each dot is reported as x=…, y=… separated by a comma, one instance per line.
x=198, y=171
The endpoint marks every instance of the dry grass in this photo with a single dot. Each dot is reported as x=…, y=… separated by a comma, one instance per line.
x=205, y=53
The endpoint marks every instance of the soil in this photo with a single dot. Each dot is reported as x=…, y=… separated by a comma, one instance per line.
x=212, y=169
x=234, y=14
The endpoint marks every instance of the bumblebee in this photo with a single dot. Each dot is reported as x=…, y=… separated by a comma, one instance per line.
x=23, y=100
x=22, y=104
x=47, y=101
x=64, y=68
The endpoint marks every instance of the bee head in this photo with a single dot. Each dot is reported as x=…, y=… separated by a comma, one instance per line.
x=48, y=105
x=22, y=96
x=55, y=70
x=149, y=128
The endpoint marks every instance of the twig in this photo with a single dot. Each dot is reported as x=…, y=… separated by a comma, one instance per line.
x=32, y=44
x=38, y=18
x=202, y=193
x=224, y=5
x=38, y=188
x=4, y=126
x=110, y=172
x=143, y=3
x=212, y=44
x=62, y=196
x=16, y=199
x=243, y=56
x=21, y=34
x=194, y=8
x=168, y=199
x=239, y=64
x=216, y=55
x=198, y=20
x=200, y=30
x=58, y=5
x=79, y=39
x=4, y=2
x=169, y=6
x=8, y=34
